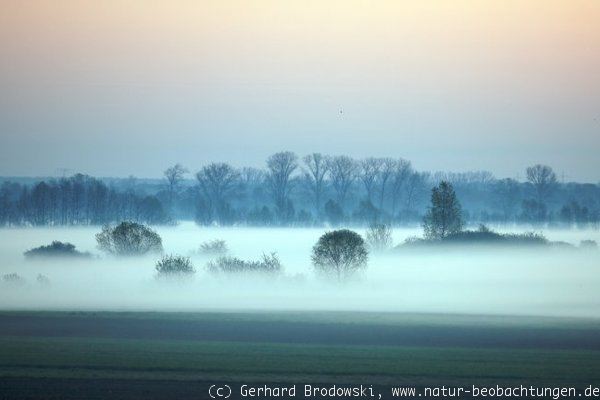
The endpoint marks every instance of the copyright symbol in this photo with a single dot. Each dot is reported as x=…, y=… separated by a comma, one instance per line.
x=219, y=392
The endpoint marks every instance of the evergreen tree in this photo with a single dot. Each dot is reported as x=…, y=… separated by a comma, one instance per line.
x=444, y=216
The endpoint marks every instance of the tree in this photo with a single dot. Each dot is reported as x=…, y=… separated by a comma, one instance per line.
x=174, y=175
x=129, y=239
x=574, y=213
x=342, y=172
x=400, y=175
x=416, y=188
x=174, y=266
x=333, y=212
x=340, y=253
x=150, y=210
x=253, y=182
x=543, y=179
x=281, y=166
x=379, y=237
x=218, y=182
x=366, y=213
x=369, y=171
x=533, y=211
x=444, y=216
x=317, y=168
x=507, y=192
x=386, y=171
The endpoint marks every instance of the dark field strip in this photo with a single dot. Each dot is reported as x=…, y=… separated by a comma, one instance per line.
x=88, y=358
x=102, y=389
x=300, y=331
x=174, y=356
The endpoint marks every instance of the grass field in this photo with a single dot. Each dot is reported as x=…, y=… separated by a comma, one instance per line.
x=76, y=355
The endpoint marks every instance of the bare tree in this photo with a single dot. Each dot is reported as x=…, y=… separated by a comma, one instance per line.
x=342, y=171
x=252, y=180
x=416, y=186
x=379, y=237
x=385, y=173
x=543, y=179
x=507, y=193
x=174, y=176
x=316, y=171
x=281, y=166
x=400, y=175
x=218, y=182
x=369, y=171
x=252, y=176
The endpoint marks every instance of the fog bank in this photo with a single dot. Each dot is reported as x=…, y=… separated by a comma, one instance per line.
x=513, y=281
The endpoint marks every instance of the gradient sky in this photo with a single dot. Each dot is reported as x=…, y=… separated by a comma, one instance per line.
x=114, y=88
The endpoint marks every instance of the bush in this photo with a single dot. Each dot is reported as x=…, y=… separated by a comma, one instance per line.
x=56, y=249
x=269, y=264
x=129, y=239
x=42, y=280
x=413, y=241
x=562, y=245
x=340, y=253
x=588, y=244
x=379, y=237
x=174, y=266
x=13, y=279
x=482, y=235
x=527, y=238
x=214, y=248
x=486, y=236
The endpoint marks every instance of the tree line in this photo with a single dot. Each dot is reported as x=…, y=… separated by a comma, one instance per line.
x=315, y=189
x=77, y=200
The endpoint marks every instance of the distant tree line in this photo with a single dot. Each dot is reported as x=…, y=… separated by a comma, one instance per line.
x=316, y=189
x=77, y=200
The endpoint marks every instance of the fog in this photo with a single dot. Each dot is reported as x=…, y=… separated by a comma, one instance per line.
x=473, y=280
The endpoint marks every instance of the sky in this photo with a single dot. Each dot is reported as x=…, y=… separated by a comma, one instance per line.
x=118, y=88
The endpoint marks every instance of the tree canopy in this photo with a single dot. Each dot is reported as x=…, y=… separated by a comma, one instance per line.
x=444, y=216
x=340, y=253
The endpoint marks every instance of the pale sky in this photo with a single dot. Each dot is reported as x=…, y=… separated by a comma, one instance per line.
x=114, y=88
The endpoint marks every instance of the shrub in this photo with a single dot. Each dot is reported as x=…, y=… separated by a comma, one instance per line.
x=56, y=249
x=340, y=253
x=527, y=238
x=269, y=264
x=379, y=237
x=562, y=245
x=13, y=279
x=588, y=244
x=486, y=236
x=413, y=241
x=129, y=239
x=214, y=248
x=42, y=280
x=482, y=235
x=174, y=266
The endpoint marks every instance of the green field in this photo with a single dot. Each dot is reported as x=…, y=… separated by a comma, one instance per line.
x=33, y=347
x=142, y=359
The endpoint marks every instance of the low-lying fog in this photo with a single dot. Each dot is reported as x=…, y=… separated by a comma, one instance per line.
x=460, y=280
